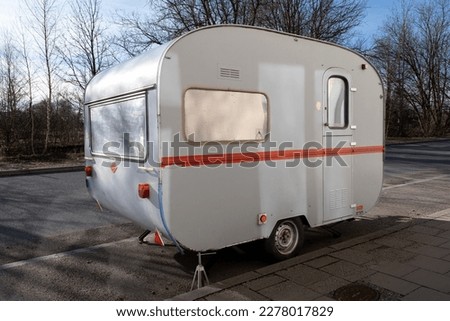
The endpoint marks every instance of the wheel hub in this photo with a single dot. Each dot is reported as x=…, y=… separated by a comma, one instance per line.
x=286, y=238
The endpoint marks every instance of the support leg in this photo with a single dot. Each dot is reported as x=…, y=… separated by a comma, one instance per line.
x=200, y=273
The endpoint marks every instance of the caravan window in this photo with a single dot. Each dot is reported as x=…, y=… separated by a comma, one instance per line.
x=337, y=102
x=224, y=116
x=118, y=128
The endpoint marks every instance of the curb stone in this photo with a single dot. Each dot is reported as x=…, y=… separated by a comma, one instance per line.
x=38, y=171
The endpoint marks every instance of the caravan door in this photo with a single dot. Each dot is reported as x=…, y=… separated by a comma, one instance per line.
x=337, y=144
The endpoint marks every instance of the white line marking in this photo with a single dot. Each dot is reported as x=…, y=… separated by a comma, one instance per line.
x=90, y=249
x=417, y=181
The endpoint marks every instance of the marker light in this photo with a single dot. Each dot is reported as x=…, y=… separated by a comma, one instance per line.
x=144, y=190
x=88, y=170
x=262, y=218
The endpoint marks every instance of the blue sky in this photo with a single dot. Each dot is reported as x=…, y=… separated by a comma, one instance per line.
x=376, y=13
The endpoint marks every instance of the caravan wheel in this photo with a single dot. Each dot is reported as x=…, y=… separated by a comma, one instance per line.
x=286, y=239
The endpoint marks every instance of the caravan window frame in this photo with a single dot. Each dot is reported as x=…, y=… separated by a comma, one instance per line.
x=331, y=116
x=189, y=121
x=118, y=151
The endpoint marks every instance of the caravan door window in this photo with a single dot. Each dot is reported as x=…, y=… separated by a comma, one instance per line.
x=224, y=116
x=118, y=128
x=337, y=102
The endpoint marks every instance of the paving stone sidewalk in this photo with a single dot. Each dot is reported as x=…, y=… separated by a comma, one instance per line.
x=409, y=261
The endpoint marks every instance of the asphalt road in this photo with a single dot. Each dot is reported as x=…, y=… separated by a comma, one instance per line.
x=57, y=245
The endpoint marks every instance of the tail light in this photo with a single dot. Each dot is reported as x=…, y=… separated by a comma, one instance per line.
x=88, y=170
x=144, y=190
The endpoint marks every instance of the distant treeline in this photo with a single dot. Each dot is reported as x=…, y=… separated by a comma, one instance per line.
x=22, y=131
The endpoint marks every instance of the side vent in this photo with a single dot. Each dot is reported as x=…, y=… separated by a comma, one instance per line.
x=229, y=73
x=339, y=198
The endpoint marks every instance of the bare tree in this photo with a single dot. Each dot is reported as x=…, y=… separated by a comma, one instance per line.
x=171, y=18
x=86, y=50
x=10, y=93
x=389, y=50
x=414, y=55
x=43, y=21
x=29, y=88
x=330, y=20
x=140, y=32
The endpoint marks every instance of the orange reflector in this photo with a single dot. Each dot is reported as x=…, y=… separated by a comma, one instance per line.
x=88, y=170
x=262, y=218
x=144, y=190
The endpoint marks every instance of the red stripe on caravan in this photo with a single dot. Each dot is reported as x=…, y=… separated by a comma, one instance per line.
x=250, y=157
x=354, y=150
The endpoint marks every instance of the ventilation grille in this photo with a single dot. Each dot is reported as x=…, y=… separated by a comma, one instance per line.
x=338, y=198
x=229, y=73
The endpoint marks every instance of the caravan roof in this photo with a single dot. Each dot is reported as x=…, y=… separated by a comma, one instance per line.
x=136, y=74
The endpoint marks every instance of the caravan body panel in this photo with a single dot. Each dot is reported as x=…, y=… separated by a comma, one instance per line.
x=241, y=122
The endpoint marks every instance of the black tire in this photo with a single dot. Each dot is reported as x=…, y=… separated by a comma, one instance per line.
x=286, y=239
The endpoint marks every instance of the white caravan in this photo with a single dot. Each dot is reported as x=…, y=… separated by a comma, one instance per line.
x=230, y=134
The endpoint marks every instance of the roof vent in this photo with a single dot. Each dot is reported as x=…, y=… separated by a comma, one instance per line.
x=229, y=73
